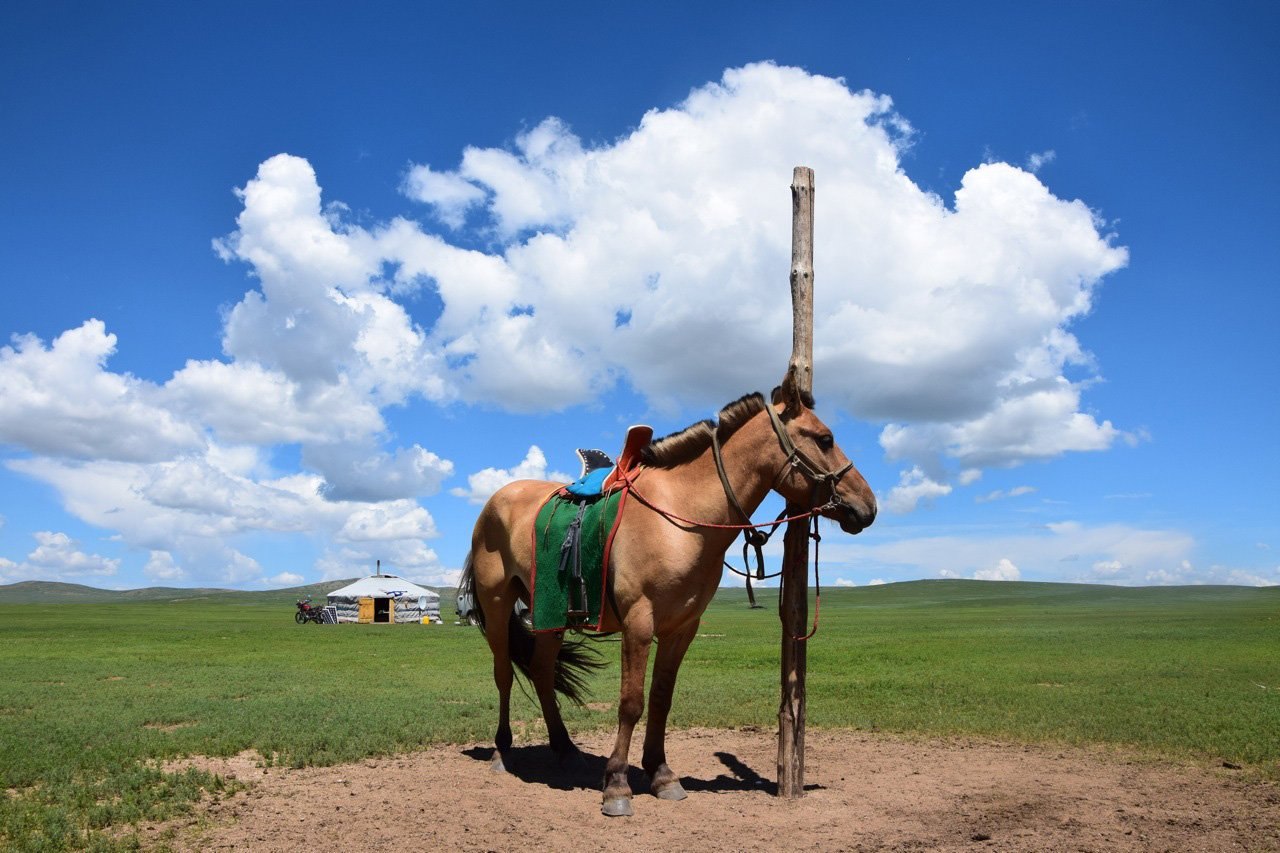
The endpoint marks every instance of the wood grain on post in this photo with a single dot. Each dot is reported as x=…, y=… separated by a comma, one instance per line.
x=802, y=277
x=794, y=606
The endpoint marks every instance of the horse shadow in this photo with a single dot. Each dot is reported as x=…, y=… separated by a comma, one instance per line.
x=539, y=765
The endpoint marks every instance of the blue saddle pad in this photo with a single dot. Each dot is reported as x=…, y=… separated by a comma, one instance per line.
x=589, y=484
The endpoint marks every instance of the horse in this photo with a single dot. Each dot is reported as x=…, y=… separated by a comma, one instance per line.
x=664, y=568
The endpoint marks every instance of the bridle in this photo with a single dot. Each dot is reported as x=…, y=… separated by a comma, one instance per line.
x=795, y=459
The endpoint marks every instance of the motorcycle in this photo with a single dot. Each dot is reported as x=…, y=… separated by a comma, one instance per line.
x=307, y=612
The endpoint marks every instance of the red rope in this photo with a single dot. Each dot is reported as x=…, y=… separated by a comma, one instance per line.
x=671, y=516
x=629, y=485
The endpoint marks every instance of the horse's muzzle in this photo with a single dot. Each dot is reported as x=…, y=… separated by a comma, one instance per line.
x=852, y=518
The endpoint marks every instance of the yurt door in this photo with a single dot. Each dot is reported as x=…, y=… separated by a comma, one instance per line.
x=382, y=610
x=366, y=610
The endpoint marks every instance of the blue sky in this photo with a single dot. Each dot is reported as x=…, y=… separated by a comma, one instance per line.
x=288, y=288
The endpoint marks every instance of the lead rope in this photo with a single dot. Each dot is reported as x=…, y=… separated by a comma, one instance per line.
x=817, y=585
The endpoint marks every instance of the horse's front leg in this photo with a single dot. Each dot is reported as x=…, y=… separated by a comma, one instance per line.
x=663, y=783
x=635, y=659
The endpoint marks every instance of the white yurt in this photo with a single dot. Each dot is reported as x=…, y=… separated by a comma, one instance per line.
x=387, y=599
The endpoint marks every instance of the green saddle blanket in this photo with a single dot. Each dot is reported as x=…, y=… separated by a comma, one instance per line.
x=571, y=540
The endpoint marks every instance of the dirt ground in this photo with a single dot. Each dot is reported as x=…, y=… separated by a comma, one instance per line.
x=864, y=792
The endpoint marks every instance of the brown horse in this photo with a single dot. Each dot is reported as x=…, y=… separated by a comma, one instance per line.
x=664, y=570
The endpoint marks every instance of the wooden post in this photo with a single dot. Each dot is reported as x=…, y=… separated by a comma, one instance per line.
x=794, y=607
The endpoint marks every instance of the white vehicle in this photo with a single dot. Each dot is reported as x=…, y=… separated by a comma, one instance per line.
x=466, y=608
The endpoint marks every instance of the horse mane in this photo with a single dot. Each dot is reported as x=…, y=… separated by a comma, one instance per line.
x=692, y=441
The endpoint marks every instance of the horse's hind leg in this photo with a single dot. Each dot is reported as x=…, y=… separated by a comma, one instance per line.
x=503, y=675
x=543, y=670
x=662, y=781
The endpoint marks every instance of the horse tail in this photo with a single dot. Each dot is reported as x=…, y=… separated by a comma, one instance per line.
x=467, y=591
x=574, y=663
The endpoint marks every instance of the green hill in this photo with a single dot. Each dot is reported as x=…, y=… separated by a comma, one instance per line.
x=49, y=592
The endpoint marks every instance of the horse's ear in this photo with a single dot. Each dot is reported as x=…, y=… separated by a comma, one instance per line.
x=789, y=395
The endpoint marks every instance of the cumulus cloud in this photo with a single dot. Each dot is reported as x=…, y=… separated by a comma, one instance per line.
x=948, y=321
x=914, y=486
x=482, y=484
x=353, y=472
x=61, y=401
x=195, y=507
x=58, y=557
x=1004, y=570
x=162, y=567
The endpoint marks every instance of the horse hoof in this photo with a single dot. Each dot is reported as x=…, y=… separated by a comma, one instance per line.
x=617, y=807
x=496, y=766
x=674, y=791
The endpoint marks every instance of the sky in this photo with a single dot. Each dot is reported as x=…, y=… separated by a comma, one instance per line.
x=289, y=289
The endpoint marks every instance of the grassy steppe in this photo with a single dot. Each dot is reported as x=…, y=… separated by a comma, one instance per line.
x=92, y=695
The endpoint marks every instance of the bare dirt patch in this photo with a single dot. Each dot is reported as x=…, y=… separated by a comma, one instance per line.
x=865, y=792
x=169, y=727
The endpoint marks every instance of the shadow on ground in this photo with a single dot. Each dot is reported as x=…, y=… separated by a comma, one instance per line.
x=539, y=765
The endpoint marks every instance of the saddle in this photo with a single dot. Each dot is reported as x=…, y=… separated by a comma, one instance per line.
x=600, y=473
x=572, y=537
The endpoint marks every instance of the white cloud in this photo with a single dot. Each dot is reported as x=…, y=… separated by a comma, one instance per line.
x=388, y=522
x=161, y=567
x=844, y=582
x=1187, y=573
x=913, y=486
x=1104, y=569
x=482, y=484
x=285, y=579
x=406, y=558
x=949, y=322
x=245, y=402
x=1000, y=494
x=194, y=509
x=1248, y=578
x=57, y=557
x=1035, y=162
x=356, y=473
x=1004, y=570
x=60, y=401
x=451, y=195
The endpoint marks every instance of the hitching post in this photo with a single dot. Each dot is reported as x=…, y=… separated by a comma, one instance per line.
x=794, y=607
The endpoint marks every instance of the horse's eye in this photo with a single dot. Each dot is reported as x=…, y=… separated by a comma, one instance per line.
x=826, y=442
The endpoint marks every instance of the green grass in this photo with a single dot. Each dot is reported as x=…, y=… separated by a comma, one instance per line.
x=92, y=696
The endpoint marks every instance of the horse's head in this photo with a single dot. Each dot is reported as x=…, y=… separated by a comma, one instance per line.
x=817, y=473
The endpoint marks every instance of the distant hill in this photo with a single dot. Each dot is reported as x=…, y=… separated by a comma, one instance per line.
x=49, y=592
